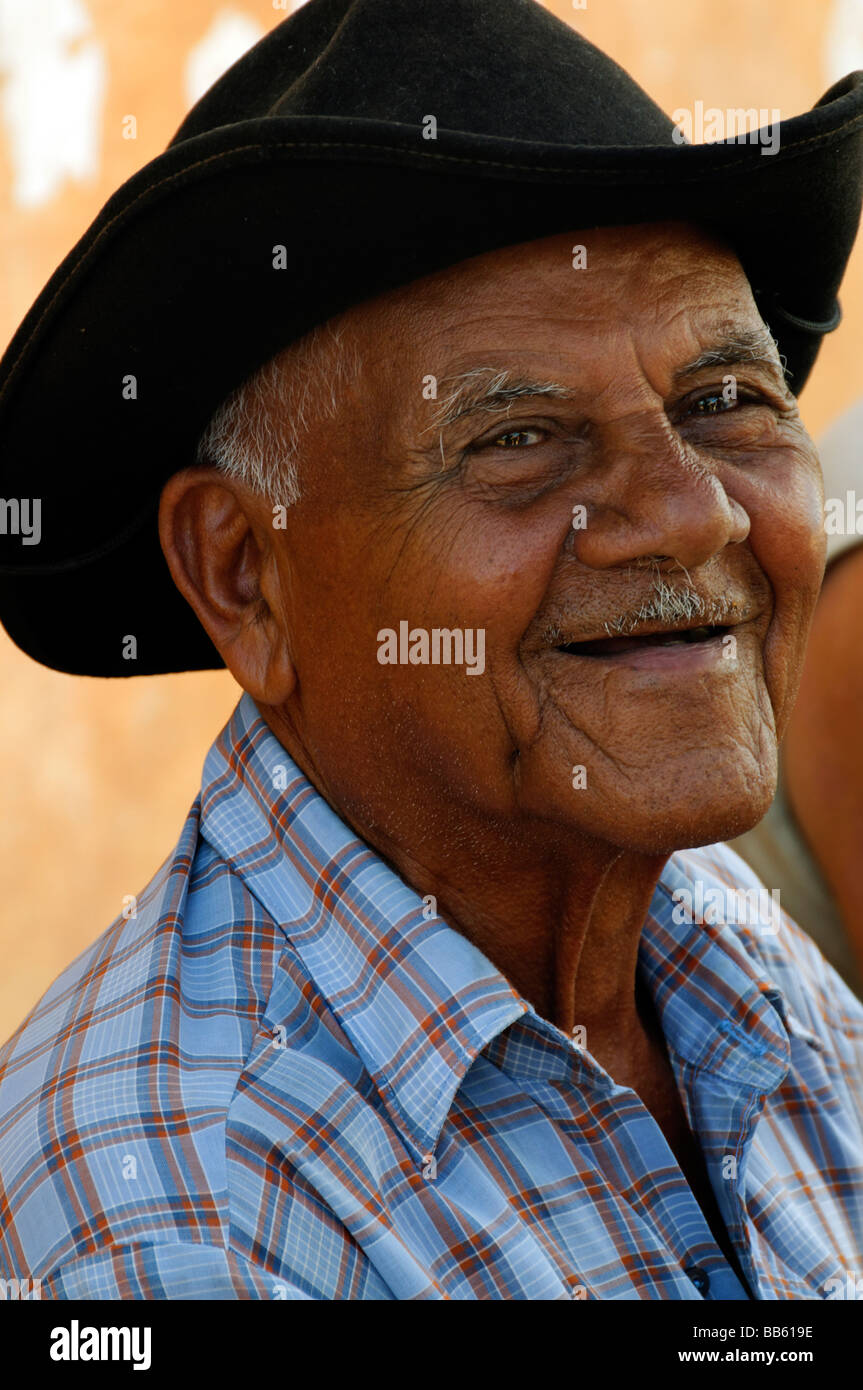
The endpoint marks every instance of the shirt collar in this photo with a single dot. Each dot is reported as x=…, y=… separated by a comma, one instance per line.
x=418, y=1001
x=721, y=1009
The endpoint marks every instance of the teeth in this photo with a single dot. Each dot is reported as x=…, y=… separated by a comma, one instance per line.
x=669, y=639
x=695, y=634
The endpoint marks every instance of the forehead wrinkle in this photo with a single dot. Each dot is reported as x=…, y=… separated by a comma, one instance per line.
x=730, y=343
x=491, y=388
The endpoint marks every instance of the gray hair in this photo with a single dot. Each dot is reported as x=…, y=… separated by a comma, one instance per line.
x=255, y=435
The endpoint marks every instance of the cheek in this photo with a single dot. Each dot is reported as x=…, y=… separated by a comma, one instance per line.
x=473, y=570
x=494, y=567
x=787, y=537
x=788, y=541
x=454, y=566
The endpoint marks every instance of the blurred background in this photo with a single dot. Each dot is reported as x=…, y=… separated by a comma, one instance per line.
x=97, y=775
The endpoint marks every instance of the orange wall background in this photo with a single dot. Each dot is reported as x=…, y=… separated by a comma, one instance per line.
x=97, y=775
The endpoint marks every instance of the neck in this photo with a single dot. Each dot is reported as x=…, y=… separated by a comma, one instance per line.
x=566, y=938
x=558, y=912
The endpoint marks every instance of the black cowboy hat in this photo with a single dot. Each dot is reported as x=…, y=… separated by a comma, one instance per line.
x=318, y=140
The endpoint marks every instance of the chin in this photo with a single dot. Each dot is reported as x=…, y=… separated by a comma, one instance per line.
x=665, y=834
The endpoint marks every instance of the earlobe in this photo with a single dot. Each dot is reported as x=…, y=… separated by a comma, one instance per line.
x=214, y=536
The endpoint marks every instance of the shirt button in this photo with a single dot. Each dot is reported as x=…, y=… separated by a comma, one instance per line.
x=700, y=1279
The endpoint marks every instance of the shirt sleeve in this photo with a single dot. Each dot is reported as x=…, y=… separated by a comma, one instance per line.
x=181, y=1270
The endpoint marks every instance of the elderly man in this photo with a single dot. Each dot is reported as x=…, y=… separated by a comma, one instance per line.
x=513, y=549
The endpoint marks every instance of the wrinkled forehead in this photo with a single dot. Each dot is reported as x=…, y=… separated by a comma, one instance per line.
x=567, y=302
x=599, y=277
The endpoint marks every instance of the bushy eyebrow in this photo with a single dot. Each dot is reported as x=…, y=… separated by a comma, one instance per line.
x=735, y=347
x=493, y=388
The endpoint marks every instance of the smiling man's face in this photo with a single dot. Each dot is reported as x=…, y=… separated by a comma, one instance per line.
x=601, y=397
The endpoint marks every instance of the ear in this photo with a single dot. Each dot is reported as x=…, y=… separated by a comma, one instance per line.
x=218, y=541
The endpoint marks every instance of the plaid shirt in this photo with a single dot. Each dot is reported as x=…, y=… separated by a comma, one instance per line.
x=280, y=1078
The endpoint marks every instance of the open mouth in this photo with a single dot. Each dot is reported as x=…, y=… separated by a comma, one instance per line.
x=612, y=646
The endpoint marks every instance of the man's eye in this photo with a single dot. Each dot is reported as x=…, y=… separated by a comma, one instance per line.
x=711, y=404
x=514, y=439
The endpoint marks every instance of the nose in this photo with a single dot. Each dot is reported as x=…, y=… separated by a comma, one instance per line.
x=652, y=495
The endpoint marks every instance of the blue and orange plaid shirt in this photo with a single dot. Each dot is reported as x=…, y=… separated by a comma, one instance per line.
x=282, y=1077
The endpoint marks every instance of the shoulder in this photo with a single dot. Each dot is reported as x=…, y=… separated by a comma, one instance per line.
x=114, y=1089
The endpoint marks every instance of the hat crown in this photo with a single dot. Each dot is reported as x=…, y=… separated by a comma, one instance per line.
x=504, y=68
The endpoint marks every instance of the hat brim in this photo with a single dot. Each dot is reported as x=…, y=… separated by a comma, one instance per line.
x=174, y=285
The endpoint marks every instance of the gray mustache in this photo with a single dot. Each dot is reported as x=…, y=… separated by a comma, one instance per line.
x=673, y=605
x=666, y=605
